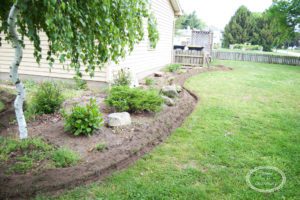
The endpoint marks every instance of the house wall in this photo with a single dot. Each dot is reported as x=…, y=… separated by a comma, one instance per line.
x=142, y=60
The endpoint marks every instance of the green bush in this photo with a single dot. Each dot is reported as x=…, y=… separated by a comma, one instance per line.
x=247, y=46
x=125, y=99
x=84, y=120
x=123, y=78
x=47, y=99
x=149, y=81
x=173, y=67
x=64, y=157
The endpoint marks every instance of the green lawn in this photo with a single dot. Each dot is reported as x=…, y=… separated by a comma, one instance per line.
x=246, y=118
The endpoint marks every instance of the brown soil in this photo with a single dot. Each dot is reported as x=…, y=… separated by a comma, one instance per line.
x=125, y=145
x=7, y=114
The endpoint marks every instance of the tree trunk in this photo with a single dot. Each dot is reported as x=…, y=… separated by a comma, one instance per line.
x=18, y=104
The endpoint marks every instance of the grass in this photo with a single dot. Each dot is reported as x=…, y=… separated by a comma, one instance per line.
x=22, y=156
x=246, y=118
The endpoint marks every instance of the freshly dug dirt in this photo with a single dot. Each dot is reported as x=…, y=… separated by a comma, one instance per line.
x=124, y=145
x=7, y=114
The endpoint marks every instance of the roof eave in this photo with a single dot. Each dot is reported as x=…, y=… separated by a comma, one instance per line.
x=177, y=8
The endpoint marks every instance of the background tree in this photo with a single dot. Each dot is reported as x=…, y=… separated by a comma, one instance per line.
x=261, y=33
x=285, y=15
x=190, y=20
x=240, y=28
x=87, y=33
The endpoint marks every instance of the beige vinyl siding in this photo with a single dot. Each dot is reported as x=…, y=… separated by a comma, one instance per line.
x=30, y=67
x=142, y=60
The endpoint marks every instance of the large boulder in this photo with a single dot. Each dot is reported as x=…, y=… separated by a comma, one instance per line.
x=169, y=91
x=119, y=119
x=168, y=101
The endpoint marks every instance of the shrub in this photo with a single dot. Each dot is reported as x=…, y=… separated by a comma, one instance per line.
x=80, y=83
x=84, y=120
x=125, y=99
x=173, y=67
x=149, y=81
x=123, y=78
x=64, y=157
x=47, y=99
x=246, y=46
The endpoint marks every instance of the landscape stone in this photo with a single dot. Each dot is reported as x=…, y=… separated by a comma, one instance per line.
x=170, y=91
x=119, y=119
x=168, y=101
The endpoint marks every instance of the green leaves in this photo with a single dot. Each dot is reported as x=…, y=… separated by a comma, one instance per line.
x=190, y=20
x=89, y=33
x=84, y=120
x=125, y=99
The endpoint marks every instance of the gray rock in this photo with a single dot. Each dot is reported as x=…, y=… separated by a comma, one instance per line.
x=119, y=119
x=169, y=91
x=178, y=88
x=168, y=101
x=158, y=74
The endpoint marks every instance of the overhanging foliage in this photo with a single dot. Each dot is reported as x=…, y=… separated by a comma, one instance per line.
x=84, y=32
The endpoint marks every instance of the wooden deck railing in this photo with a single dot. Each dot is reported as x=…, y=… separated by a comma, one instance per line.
x=190, y=58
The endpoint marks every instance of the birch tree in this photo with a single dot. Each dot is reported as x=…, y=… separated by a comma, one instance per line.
x=86, y=33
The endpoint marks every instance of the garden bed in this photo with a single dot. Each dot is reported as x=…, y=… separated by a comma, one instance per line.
x=122, y=146
x=6, y=108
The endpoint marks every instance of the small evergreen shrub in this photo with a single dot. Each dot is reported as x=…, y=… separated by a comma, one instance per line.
x=84, y=120
x=125, y=99
x=63, y=157
x=47, y=99
x=173, y=67
x=149, y=81
x=80, y=83
x=122, y=78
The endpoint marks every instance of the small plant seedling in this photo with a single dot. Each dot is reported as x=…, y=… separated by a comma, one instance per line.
x=101, y=147
x=149, y=81
x=80, y=83
x=173, y=67
x=63, y=157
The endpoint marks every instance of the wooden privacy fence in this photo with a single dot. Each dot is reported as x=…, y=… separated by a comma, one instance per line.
x=255, y=57
x=190, y=58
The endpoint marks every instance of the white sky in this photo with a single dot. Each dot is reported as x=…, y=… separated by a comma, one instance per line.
x=218, y=12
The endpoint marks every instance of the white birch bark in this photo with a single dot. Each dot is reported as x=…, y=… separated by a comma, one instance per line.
x=18, y=104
